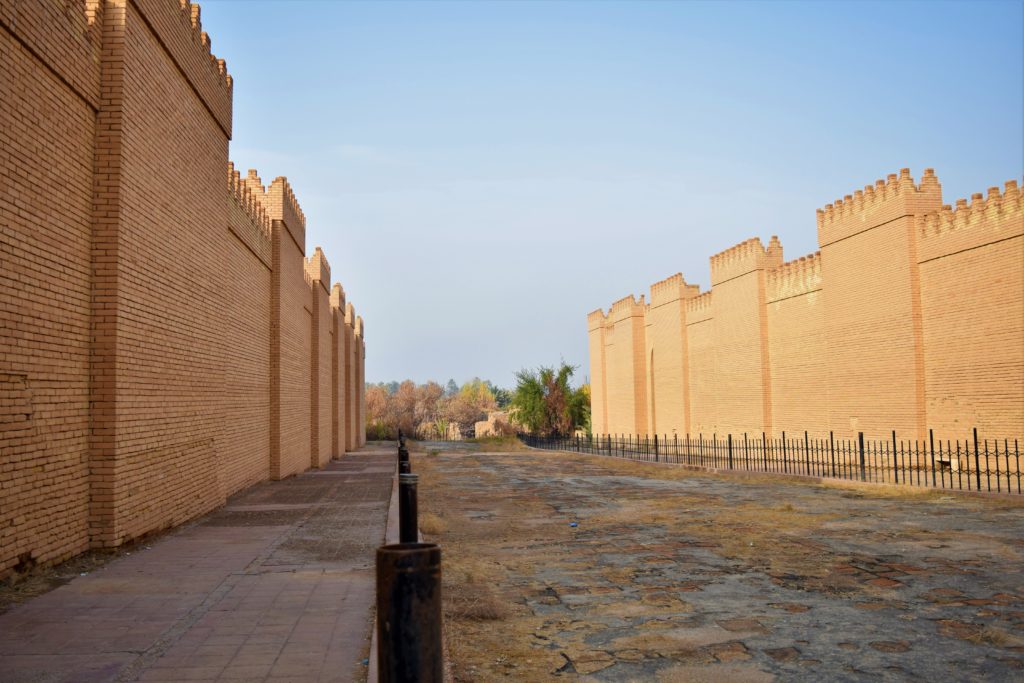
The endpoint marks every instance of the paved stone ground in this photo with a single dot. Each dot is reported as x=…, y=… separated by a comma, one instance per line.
x=672, y=575
x=278, y=585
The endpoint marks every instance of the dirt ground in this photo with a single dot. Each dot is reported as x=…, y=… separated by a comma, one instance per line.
x=597, y=569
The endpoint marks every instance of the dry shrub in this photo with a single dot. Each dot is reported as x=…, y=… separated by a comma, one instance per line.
x=432, y=524
x=473, y=601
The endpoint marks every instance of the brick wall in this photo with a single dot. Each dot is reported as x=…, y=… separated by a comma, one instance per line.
x=50, y=73
x=910, y=317
x=163, y=343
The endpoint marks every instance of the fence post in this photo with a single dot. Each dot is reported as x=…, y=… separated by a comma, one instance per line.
x=577, y=443
x=785, y=456
x=832, y=452
x=730, y=451
x=931, y=450
x=656, y=448
x=860, y=441
x=409, y=613
x=895, y=466
x=764, y=450
x=977, y=462
x=807, y=453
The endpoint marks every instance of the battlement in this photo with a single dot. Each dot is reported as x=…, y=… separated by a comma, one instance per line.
x=698, y=308
x=359, y=328
x=596, y=319
x=318, y=269
x=337, y=299
x=350, y=314
x=280, y=203
x=672, y=288
x=989, y=219
x=793, y=278
x=626, y=307
x=887, y=200
x=180, y=29
x=745, y=257
x=247, y=199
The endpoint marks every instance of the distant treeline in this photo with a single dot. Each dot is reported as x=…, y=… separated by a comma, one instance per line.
x=543, y=403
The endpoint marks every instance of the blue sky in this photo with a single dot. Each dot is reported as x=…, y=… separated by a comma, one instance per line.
x=482, y=175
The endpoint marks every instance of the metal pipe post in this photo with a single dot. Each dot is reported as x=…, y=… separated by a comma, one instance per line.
x=409, y=614
x=408, y=512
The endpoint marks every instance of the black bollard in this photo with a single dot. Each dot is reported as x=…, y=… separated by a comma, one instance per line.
x=404, y=465
x=408, y=509
x=409, y=614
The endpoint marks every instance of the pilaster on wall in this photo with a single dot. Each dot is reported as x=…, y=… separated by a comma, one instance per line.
x=360, y=382
x=668, y=383
x=701, y=363
x=873, y=320
x=50, y=66
x=290, y=329
x=352, y=426
x=338, y=403
x=796, y=347
x=598, y=397
x=740, y=326
x=627, y=366
x=319, y=273
x=157, y=409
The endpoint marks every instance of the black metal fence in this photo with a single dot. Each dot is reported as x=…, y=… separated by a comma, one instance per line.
x=969, y=464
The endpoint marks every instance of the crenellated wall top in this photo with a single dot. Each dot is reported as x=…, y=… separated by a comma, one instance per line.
x=895, y=197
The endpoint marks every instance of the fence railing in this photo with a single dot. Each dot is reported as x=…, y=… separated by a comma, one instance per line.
x=969, y=464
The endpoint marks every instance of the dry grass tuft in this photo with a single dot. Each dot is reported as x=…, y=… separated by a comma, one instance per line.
x=991, y=635
x=503, y=444
x=432, y=524
x=474, y=602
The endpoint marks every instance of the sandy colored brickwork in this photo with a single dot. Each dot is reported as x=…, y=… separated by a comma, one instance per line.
x=909, y=318
x=165, y=341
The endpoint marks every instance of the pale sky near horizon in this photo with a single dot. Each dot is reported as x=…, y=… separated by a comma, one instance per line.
x=482, y=175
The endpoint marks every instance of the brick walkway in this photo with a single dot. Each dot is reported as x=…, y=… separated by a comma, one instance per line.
x=278, y=585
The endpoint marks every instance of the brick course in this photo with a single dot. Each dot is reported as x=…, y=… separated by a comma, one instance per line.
x=910, y=317
x=164, y=343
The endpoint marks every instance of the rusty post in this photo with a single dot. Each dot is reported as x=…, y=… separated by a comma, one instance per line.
x=408, y=512
x=409, y=613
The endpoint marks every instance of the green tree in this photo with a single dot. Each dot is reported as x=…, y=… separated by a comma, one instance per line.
x=502, y=397
x=546, y=404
